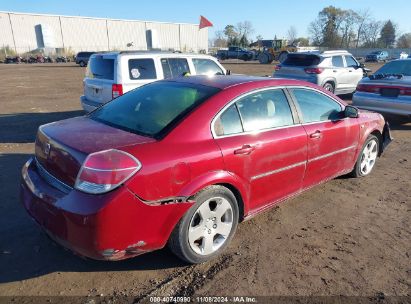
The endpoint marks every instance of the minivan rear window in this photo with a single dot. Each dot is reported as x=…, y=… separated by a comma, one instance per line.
x=140, y=69
x=301, y=60
x=154, y=109
x=100, y=68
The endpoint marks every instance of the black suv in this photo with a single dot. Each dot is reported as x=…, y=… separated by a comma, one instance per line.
x=83, y=57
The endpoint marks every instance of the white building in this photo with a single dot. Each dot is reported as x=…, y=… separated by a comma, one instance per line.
x=26, y=32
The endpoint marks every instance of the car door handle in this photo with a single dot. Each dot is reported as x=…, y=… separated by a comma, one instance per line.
x=316, y=134
x=244, y=150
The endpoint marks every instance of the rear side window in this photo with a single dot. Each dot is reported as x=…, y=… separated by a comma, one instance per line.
x=338, y=61
x=142, y=69
x=301, y=60
x=265, y=110
x=316, y=106
x=350, y=61
x=229, y=122
x=100, y=68
x=174, y=67
x=206, y=67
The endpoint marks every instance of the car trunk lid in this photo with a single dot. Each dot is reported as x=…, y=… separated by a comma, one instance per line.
x=62, y=147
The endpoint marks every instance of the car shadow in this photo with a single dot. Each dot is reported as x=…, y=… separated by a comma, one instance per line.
x=22, y=127
x=25, y=250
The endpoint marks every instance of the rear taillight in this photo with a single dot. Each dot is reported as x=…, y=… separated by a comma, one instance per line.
x=313, y=70
x=368, y=88
x=117, y=90
x=405, y=91
x=106, y=170
x=277, y=67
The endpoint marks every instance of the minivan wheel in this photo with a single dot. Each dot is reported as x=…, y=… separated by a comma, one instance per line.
x=329, y=87
x=367, y=157
x=82, y=64
x=207, y=228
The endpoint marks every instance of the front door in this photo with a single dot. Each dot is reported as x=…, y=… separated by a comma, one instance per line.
x=262, y=146
x=332, y=138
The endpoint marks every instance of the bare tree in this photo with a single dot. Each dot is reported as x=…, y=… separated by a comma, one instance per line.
x=220, y=40
x=245, y=28
x=362, y=18
x=292, y=34
x=371, y=32
x=349, y=18
x=404, y=41
x=316, y=30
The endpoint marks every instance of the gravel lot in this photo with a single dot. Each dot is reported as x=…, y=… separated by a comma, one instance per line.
x=345, y=237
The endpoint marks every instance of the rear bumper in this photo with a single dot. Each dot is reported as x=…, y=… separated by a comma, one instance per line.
x=396, y=106
x=112, y=226
x=88, y=105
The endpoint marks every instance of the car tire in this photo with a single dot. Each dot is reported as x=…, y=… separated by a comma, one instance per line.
x=367, y=157
x=329, y=87
x=208, y=226
x=244, y=57
x=82, y=64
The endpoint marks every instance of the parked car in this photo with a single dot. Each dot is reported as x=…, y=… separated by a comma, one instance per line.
x=182, y=161
x=82, y=58
x=110, y=75
x=12, y=59
x=377, y=56
x=336, y=71
x=388, y=90
x=235, y=52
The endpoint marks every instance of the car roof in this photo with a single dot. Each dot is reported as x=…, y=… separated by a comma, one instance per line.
x=155, y=53
x=224, y=81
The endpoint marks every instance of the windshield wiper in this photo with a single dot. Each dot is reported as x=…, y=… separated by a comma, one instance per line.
x=385, y=75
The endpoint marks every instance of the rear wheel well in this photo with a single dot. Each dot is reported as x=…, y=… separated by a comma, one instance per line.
x=239, y=199
x=377, y=134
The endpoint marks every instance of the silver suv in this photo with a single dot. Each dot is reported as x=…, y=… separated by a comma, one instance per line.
x=110, y=75
x=336, y=71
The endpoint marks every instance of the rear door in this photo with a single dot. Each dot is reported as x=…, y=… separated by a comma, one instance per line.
x=355, y=73
x=332, y=138
x=262, y=145
x=339, y=72
x=100, y=77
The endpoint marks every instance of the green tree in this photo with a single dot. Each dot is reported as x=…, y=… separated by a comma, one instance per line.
x=388, y=34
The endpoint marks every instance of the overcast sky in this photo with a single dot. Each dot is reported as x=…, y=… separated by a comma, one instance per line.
x=269, y=17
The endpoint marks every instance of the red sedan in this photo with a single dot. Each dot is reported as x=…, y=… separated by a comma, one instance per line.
x=182, y=162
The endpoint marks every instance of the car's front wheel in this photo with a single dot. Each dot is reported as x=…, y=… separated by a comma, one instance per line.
x=208, y=227
x=367, y=158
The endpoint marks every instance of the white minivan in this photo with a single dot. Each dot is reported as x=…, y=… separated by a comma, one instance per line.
x=112, y=74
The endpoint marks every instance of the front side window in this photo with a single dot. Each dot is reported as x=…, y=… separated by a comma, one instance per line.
x=206, y=67
x=174, y=67
x=316, y=106
x=351, y=61
x=153, y=109
x=338, y=62
x=140, y=69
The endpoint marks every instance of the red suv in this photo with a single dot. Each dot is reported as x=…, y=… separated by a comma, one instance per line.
x=183, y=161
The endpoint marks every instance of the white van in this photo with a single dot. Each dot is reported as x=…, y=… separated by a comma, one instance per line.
x=112, y=74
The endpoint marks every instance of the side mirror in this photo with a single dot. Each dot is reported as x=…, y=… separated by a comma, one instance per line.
x=228, y=72
x=351, y=112
x=362, y=65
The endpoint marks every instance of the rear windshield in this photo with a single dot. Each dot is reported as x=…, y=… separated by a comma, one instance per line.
x=301, y=60
x=140, y=69
x=100, y=68
x=154, y=109
x=396, y=67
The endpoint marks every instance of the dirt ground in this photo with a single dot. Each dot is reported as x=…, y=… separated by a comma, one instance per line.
x=346, y=237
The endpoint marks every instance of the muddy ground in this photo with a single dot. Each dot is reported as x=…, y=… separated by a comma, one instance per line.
x=346, y=237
